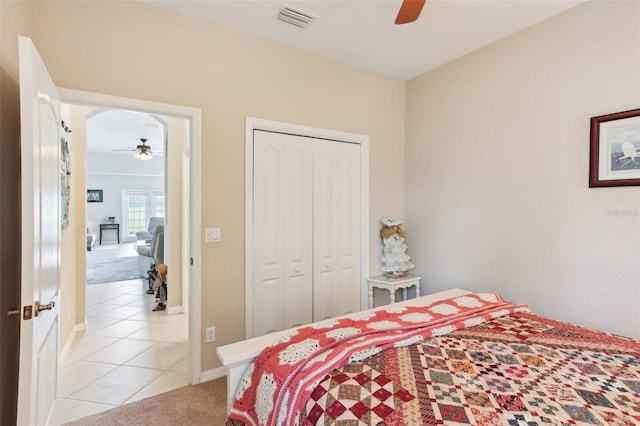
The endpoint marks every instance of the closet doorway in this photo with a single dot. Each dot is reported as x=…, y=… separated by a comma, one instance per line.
x=306, y=225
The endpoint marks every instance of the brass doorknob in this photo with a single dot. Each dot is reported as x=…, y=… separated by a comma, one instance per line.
x=47, y=307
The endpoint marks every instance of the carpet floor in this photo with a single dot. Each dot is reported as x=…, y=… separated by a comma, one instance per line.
x=111, y=269
x=203, y=404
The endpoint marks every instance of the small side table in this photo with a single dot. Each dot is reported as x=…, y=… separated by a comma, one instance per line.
x=393, y=284
x=108, y=226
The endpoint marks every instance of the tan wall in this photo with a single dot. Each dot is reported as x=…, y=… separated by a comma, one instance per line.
x=497, y=170
x=74, y=257
x=133, y=50
x=69, y=253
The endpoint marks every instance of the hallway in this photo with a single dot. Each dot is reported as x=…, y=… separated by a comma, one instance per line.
x=127, y=353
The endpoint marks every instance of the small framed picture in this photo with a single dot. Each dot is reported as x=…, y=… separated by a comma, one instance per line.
x=94, y=195
x=615, y=149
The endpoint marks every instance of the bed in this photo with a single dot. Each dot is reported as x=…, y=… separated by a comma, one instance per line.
x=448, y=358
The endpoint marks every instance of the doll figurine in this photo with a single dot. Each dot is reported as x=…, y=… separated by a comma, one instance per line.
x=395, y=261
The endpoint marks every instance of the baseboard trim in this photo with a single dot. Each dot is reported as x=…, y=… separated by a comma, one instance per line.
x=216, y=373
x=173, y=310
x=67, y=346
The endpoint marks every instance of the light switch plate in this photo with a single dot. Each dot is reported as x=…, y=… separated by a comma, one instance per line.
x=212, y=235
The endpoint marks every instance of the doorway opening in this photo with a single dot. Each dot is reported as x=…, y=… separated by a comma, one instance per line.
x=182, y=218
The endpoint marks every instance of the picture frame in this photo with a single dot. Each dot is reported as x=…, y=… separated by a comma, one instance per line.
x=94, y=195
x=65, y=182
x=614, y=158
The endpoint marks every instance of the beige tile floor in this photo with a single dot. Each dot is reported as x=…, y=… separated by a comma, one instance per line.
x=127, y=353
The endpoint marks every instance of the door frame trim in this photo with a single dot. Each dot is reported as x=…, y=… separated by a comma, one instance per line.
x=252, y=124
x=194, y=115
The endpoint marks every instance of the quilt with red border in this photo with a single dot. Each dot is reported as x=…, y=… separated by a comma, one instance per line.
x=280, y=380
x=470, y=360
x=517, y=370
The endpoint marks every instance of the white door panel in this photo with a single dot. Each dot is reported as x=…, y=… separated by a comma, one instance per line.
x=296, y=302
x=349, y=300
x=268, y=256
x=46, y=389
x=282, y=229
x=267, y=296
x=336, y=229
x=40, y=278
x=324, y=299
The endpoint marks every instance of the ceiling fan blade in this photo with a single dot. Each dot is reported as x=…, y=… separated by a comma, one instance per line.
x=409, y=11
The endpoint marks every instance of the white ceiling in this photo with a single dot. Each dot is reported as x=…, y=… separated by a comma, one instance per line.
x=362, y=33
x=119, y=132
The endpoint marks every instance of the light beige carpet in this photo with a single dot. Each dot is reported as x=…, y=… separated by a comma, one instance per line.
x=203, y=404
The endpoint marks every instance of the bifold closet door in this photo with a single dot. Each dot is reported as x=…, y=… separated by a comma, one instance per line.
x=282, y=284
x=336, y=235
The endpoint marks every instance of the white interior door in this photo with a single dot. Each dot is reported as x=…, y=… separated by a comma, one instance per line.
x=41, y=134
x=281, y=294
x=336, y=224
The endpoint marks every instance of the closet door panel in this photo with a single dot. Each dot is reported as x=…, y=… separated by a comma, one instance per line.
x=349, y=193
x=267, y=286
x=296, y=306
x=349, y=244
x=349, y=291
x=282, y=252
x=267, y=318
x=336, y=229
x=267, y=200
x=297, y=212
x=324, y=296
x=297, y=239
x=325, y=219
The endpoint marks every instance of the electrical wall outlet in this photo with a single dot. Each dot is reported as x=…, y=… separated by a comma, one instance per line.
x=212, y=235
x=211, y=334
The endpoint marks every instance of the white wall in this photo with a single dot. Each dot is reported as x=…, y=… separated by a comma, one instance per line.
x=114, y=173
x=497, y=195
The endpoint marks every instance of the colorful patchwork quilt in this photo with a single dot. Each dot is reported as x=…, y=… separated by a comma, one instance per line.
x=477, y=360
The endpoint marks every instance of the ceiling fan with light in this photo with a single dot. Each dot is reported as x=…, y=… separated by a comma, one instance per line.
x=409, y=11
x=143, y=151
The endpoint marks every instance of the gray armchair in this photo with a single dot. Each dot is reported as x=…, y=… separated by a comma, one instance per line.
x=152, y=253
x=153, y=222
x=91, y=239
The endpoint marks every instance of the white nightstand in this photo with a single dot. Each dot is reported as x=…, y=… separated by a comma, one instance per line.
x=393, y=284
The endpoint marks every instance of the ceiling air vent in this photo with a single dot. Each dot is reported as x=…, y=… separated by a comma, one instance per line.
x=294, y=17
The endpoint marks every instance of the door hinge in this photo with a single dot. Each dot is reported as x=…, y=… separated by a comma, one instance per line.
x=14, y=311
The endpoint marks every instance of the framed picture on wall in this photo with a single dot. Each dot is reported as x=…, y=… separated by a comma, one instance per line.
x=615, y=149
x=94, y=195
x=65, y=180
